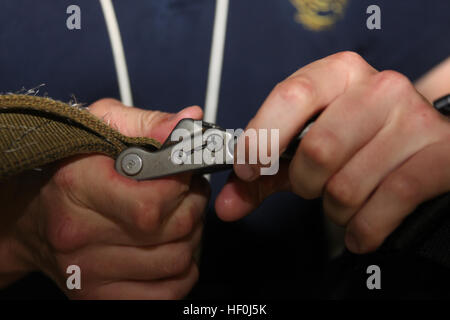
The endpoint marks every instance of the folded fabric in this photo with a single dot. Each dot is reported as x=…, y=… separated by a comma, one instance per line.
x=35, y=131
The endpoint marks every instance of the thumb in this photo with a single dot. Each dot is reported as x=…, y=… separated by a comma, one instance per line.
x=135, y=122
x=239, y=198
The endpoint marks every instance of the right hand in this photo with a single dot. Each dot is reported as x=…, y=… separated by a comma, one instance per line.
x=132, y=240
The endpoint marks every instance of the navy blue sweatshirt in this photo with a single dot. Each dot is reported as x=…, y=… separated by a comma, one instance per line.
x=167, y=44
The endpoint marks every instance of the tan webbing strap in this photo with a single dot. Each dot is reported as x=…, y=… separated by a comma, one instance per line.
x=35, y=131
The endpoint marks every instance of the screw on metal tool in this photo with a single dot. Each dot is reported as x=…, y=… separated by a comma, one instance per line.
x=214, y=142
x=131, y=164
x=178, y=157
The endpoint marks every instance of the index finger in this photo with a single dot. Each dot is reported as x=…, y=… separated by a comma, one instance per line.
x=295, y=100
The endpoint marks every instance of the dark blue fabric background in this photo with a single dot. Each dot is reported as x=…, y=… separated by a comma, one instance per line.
x=278, y=250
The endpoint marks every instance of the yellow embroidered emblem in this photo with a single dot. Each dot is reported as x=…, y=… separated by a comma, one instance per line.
x=319, y=14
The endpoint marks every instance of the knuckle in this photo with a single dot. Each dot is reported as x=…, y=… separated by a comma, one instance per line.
x=320, y=147
x=147, y=120
x=391, y=81
x=404, y=187
x=341, y=190
x=64, y=235
x=349, y=63
x=349, y=58
x=104, y=108
x=64, y=178
x=410, y=111
x=104, y=102
x=295, y=90
x=422, y=118
x=147, y=216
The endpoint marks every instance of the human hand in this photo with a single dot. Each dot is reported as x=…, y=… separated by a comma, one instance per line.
x=377, y=150
x=131, y=240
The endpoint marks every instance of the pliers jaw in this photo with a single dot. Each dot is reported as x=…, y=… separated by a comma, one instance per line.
x=193, y=145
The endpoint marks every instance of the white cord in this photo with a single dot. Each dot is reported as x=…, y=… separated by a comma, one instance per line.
x=118, y=53
x=216, y=60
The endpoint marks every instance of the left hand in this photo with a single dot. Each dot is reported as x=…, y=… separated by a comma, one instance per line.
x=130, y=239
x=377, y=151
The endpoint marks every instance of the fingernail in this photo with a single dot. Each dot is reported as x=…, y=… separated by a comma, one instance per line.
x=352, y=243
x=245, y=172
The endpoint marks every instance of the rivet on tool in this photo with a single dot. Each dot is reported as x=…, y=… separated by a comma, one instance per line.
x=214, y=142
x=131, y=164
x=178, y=157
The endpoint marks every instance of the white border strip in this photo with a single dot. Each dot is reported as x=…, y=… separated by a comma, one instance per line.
x=216, y=60
x=118, y=52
